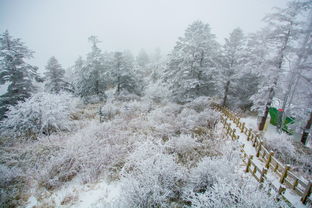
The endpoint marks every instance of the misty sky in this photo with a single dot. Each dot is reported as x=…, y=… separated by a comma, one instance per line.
x=62, y=27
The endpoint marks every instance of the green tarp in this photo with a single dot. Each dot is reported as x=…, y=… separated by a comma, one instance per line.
x=275, y=114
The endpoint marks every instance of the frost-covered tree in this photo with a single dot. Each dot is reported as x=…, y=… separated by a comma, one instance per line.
x=15, y=71
x=142, y=58
x=55, y=81
x=92, y=73
x=232, y=61
x=298, y=99
x=156, y=56
x=281, y=35
x=123, y=76
x=192, y=64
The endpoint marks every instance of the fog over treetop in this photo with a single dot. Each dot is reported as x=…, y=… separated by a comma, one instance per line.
x=62, y=27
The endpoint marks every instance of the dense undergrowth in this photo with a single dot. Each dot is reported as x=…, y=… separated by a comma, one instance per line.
x=162, y=155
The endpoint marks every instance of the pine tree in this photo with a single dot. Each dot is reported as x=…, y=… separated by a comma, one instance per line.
x=123, y=76
x=55, y=81
x=92, y=80
x=192, y=64
x=142, y=58
x=15, y=71
x=232, y=62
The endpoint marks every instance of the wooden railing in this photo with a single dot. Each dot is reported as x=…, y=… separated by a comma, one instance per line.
x=286, y=176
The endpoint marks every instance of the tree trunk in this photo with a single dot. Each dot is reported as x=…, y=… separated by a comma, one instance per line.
x=267, y=106
x=97, y=87
x=118, y=85
x=306, y=131
x=226, y=91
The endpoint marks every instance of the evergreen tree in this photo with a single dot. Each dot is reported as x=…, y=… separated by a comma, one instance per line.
x=123, y=76
x=92, y=80
x=15, y=71
x=55, y=81
x=192, y=64
x=142, y=59
x=232, y=62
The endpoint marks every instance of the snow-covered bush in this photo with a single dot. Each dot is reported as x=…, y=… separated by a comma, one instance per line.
x=188, y=119
x=93, y=99
x=108, y=111
x=236, y=193
x=61, y=169
x=136, y=107
x=182, y=144
x=151, y=178
x=186, y=149
x=282, y=144
x=43, y=113
x=12, y=186
x=210, y=169
x=157, y=92
x=199, y=104
x=126, y=97
x=217, y=182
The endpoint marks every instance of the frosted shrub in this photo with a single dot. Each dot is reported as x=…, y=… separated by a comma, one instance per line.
x=186, y=149
x=236, y=193
x=199, y=104
x=93, y=99
x=43, y=113
x=59, y=171
x=136, y=107
x=182, y=144
x=211, y=117
x=157, y=92
x=151, y=178
x=12, y=185
x=126, y=97
x=216, y=182
x=281, y=144
x=210, y=169
x=108, y=111
x=189, y=119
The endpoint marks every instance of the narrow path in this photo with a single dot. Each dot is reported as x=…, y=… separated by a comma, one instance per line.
x=263, y=165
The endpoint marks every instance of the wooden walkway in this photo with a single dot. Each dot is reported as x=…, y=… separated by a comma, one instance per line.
x=262, y=164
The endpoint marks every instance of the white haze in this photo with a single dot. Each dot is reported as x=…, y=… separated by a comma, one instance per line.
x=61, y=28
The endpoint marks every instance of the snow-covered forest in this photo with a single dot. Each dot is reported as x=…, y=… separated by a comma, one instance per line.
x=118, y=129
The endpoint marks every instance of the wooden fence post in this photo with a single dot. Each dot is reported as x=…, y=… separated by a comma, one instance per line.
x=284, y=175
x=281, y=189
x=259, y=149
x=238, y=121
x=254, y=141
x=248, y=163
x=242, y=127
x=306, y=193
x=267, y=164
x=249, y=133
x=242, y=148
x=233, y=134
x=263, y=173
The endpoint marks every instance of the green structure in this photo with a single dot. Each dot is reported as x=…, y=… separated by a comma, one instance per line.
x=275, y=115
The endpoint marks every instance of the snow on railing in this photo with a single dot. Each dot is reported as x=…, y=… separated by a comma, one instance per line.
x=287, y=178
